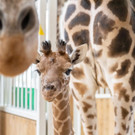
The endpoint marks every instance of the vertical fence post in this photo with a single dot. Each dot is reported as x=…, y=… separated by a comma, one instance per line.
x=2, y=91
x=51, y=35
x=41, y=122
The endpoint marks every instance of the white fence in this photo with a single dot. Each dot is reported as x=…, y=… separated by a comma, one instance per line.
x=21, y=95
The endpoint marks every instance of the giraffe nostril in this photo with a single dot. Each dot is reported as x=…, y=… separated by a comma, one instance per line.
x=27, y=18
x=25, y=21
x=49, y=87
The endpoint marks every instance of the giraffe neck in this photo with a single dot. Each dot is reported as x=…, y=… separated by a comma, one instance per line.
x=61, y=115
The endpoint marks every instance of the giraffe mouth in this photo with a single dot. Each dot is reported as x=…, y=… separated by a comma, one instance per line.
x=49, y=95
x=49, y=99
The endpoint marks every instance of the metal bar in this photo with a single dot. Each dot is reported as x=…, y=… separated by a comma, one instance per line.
x=41, y=123
x=35, y=91
x=2, y=91
x=51, y=35
x=14, y=94
x=26, y=91
x=10, y=92
x=30, y=99
x=77, y=121
x=22, y=76
x=18, y=85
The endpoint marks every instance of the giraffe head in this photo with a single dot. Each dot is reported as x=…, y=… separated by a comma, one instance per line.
x=55, y=68
x=18, y=35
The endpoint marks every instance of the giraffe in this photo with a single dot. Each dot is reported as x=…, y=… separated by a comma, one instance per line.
x=108, y=27
x=18, y=35
x=55, y=68
x=60, y=4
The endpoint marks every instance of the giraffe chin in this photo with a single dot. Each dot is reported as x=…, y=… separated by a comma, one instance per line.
x=49, y=99
x=49, y=95
x=13, y=69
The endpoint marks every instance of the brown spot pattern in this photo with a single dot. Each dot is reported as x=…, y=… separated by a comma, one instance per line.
x=124, y=95
x=119, y=45
x=90, y=127
x=90, y=116
x=65, y=132
x=55, y=111
x=115, y=111
x=98, y=54
x=63, y=114
x=117, y=87
x=90, y=133
x=131, y=108
x=80, y=19
x=66, y=36
x=85, y=109
x=97, y=3
x=103, y=82
x=113, y=68
x=119, y=134
x=123, y=126
x=59, y=96
x=57, y=124
x=132, y=20
x=128, y=129
x=87, y=105
x=70, y=10
x=81, y=88
x=129, y=118
x=86, y=4
x=69, y=49
x=62, y=104
x=133, y=99
x=67, y=128
x=121, y=91
x=95, y=127
x=74, y=95
x=132, y=80
x=125, y=65
x=87, y=60
x=124, y=112
x=102, y=26
x=78, y=73
x=89, y=97
x=81, y=37
x=133, y=53
x=119, y=8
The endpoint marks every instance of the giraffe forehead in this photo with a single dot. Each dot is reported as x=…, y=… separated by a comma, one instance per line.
x=55, y=60
x=14, y=1
x=13, y=5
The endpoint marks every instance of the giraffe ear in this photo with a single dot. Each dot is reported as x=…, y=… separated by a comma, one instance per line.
x=79, y=54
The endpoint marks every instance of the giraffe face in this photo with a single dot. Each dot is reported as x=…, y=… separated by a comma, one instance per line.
x=55, y=68
x=18, y=35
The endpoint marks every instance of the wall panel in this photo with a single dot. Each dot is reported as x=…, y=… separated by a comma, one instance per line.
x=14, y=125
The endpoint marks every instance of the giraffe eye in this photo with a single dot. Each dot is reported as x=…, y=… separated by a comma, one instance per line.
x=38, y=72
x=68, y=71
